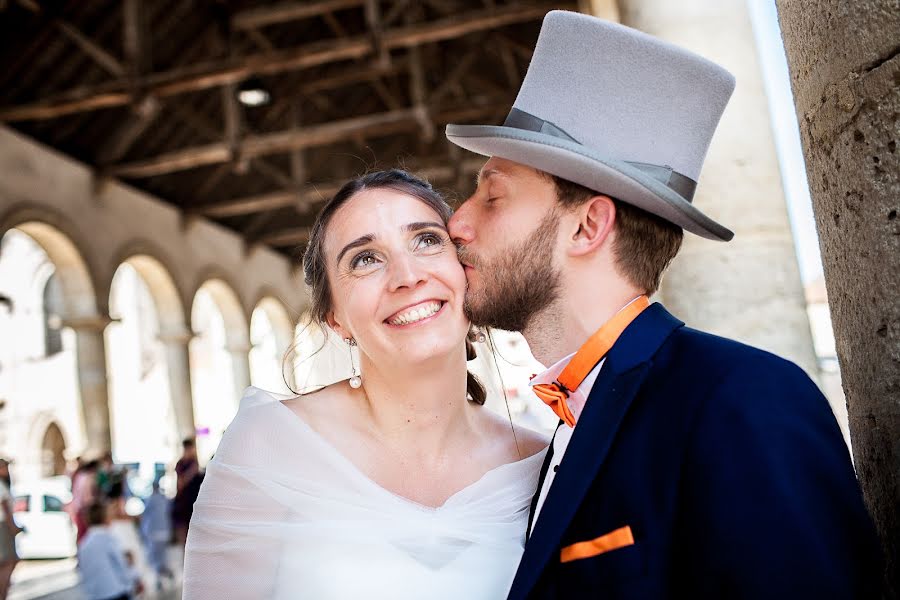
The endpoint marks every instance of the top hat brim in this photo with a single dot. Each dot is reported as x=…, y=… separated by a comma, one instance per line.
x=584, y=166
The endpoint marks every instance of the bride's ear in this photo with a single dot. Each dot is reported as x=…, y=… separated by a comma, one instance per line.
x=335, y=326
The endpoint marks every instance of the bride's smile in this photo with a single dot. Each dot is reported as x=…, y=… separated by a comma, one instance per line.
x=417, y=314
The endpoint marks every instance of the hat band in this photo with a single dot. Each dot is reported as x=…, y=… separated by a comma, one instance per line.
x=682, y=185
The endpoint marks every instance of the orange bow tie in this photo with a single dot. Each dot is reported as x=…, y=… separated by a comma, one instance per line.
x=556, y=394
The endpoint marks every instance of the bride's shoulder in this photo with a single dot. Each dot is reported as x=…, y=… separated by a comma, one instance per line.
x=525, y=443
x=531, y=441
x=320, y=407
x=263, y=423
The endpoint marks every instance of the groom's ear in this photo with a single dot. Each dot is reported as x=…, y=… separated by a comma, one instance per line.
x=595, y=220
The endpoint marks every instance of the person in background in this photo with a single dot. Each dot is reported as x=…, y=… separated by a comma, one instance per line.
x=156, y=529
x=187, y=471
x=106, y=474
x=8, y=531
x=124, y=527
x=105, y=574
x=84, y=493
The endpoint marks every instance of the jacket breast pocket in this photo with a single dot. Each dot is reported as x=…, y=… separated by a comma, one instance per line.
x=584, y=568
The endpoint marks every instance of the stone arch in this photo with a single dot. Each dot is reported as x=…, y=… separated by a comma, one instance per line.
x=53, y=449
x=237, y=328
x=33, y=455
x=221, y=345
x=158, y=273
x=83, y=312
x=75, y=278
x=174, y=333
x=155, y=383
x=276, y=314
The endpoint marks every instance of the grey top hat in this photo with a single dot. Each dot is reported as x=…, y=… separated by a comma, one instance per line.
x=617, y=111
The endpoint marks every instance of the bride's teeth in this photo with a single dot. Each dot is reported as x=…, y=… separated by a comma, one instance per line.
x=417, y=314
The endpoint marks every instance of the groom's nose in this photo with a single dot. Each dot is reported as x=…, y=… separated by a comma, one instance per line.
x=460, y=225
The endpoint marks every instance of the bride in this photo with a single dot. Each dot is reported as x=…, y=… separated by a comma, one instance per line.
x=397, y=483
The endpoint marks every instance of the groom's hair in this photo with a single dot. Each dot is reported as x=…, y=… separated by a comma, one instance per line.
x=644, y=245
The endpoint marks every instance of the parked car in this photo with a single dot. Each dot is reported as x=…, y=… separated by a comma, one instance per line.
x=40, y=507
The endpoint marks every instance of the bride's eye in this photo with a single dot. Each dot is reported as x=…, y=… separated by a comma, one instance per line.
x=362, y=260
x=429, y=240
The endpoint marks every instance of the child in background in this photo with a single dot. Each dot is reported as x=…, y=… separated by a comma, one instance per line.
x=105, y=574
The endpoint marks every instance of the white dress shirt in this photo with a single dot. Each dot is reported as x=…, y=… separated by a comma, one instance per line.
x=564, y=433
x=575, y=402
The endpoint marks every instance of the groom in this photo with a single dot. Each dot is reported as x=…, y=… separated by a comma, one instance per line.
x=685, y=465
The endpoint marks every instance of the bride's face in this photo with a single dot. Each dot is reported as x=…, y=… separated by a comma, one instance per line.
x=396, y=284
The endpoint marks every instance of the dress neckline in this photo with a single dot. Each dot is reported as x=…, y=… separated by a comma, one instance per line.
x=329, y=447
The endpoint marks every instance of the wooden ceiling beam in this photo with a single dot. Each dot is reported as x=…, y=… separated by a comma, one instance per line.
x=273, y=143
x=286, y=237
x=376, y=31
x=396, y=121
x=121, y=140
x=135, y=37
x=335, y=25
x=363, y=74
x=205, y=76
x=313, y=193
x=135, y=41
x=288, y=11
x=459, y=70
x=103, y=58
x=250, y=204
x=397, y=10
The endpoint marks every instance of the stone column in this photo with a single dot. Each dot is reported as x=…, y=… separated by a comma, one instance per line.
x=240, y=364
x=845, y=73
x=179, y=370
x=90, y=352
x=748, y=289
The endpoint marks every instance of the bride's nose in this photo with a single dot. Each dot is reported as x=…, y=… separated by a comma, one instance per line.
x=405, y=272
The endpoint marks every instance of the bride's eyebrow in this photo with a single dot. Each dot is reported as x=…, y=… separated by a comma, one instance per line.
x=419, y=225
x=360, y=241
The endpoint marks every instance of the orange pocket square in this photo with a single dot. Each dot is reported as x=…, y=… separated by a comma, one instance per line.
x=605, y=543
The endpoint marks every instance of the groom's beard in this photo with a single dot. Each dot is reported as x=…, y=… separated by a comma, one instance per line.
x=518, y=283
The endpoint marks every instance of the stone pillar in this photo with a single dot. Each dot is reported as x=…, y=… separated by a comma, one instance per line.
x=845, y=73
x=179, y=370
x=748, y=289
x=605, y=9
x=90, y=352
x=240, y=364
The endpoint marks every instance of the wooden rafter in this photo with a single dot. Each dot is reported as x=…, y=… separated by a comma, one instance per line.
x=286, y=237
x=205, y=76
x=396, y=121
x=273, y=143
x=373, y=22
x=287, y=11
x=313, y=193
x=102, y=57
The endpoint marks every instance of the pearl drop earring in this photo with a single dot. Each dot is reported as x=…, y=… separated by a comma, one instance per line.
x=477, y=335
x=356, y=380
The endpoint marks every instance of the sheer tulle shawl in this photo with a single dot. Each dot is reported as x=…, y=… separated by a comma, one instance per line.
x=282, y=514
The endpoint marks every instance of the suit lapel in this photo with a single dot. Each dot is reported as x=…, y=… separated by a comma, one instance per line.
x=620, y=378
x=543, y=475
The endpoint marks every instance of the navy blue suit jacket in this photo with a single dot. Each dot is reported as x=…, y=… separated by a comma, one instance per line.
x=727, y=464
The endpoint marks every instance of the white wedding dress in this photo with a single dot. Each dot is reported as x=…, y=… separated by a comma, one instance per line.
x=282, y=514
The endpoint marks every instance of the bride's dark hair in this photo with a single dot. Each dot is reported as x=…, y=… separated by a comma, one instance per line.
x=314, y=270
